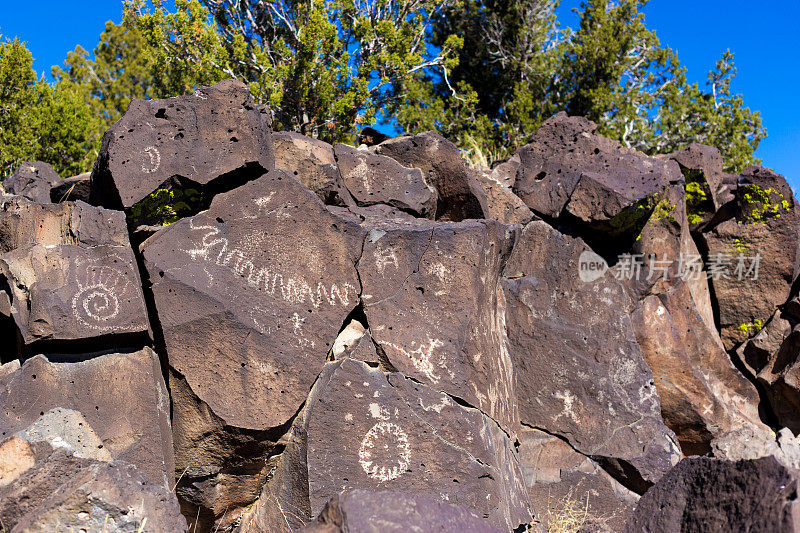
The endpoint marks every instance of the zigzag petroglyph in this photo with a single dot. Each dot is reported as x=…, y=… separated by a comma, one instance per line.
x=218, y=250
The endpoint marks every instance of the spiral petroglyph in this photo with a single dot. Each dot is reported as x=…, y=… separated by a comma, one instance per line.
x=101, y=291
x=385, y=453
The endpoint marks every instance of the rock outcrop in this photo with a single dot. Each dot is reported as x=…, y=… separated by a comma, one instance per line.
x=225, y=328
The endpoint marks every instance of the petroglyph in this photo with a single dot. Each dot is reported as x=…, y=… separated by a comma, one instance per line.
x=421, y=357
x=294, y=289
x=385, y=257
x=385, y=452
x=100, y=288
x=155, y=160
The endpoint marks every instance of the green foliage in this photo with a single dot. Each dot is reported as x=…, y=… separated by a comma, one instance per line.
x=759, y=205
x=756, y=326
x=698, y=196
x=165, y=206
x=517, y=68
x=325, y=67
x=28, y=106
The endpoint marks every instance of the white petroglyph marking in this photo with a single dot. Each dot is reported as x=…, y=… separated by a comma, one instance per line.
x=348, y=417
x=436, y=407
x=707, y=409
x=155, y=160
x=376, y=411
x=568, y=400
x=297, y=329
x=198, y=93
x=100, y=289
x=385, y=453
x=217, y=249
x=385, y=257
x=421, y=357
x=440, y=271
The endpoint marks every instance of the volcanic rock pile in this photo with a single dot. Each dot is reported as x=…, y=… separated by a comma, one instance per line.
x=380, y=338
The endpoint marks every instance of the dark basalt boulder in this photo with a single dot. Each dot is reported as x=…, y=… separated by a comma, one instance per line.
x=361, y=511
x=561, y=480
x=250, y=296
x=569, y=166
x=70, y=275
x=703, y=494
x=392, y=433
x=766, y=225
x=375, y=179
x=460, y=196
x=122, y=397
x=49, y=489
x=313, y=163
x=435, y=311
x=212, y=140
x=32, y=181
x=599, y=395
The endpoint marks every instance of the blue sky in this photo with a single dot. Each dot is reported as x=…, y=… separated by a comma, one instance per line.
x=763, y=36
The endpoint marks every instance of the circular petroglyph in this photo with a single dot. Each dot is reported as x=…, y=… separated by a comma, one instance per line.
x=154, y=160
x=385, y=453
x=96, y=304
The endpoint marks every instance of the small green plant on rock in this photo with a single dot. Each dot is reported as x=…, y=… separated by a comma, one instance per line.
x=759, y=205
x=165, y=206
x=756, y=325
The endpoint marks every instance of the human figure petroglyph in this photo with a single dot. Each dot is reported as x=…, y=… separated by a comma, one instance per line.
x=385, y=452
x=155, y=160
x=294, y=289
x=421, y=357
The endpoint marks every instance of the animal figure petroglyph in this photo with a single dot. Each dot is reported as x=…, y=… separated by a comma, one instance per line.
x=421, y=357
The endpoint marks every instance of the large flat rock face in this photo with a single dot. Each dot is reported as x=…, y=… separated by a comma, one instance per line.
x=70, y=275
x=251, y=294
x=432, y=300
x=215, y=133
x=579, y=372
x=704, y=494
x=702, y=394
x=395, y=512
x=393, y=433
x=121, y=396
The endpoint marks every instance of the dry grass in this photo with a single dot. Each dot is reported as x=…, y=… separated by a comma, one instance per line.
x=476, y=157
x=568, y=514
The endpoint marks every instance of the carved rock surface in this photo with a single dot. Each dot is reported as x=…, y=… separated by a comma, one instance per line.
x=60, y=492
x=375, y=179
x=250, y=296
x=435, y=311
x=70, y=272
x=703, y=494
x=399, y=435
x=460, y=196
x=32, y=181
x=122, y=397
x=361, y=511
x=597, y=394
x=215, y=135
